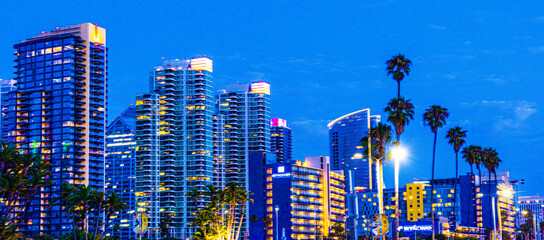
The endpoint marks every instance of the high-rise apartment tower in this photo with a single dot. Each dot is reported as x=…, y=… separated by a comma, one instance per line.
x=59, y=111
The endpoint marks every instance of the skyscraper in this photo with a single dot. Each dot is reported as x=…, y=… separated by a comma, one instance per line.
x=281, y=139
x=120, y=167
x=241, y=127
x=59, y=111
x=174, y=129
x=346, y=153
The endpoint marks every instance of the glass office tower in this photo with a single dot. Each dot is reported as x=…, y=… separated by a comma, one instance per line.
x=59, y=111
x=174, y=128
x=6, y=86
x=281, y=139
x=120, y=166
x=346, y=152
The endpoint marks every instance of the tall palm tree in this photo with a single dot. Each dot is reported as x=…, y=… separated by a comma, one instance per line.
x=434, y=117
x=456, y=137
x=400, y=111
x=399, y=67
x=472, y=155
x=380, y=137
x=112, y=204
x=491, y=161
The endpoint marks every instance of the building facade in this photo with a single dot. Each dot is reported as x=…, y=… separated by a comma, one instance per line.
x=533, y=203
x=281, y=139
x=241, y=127
x=6, y=86
x=174, y=137
x=302, y=202
x=346, y=154
x=120, y=171
x=59, y=111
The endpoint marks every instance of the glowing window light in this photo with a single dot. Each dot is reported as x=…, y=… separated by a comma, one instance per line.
x=201, y=64
x=260, y=88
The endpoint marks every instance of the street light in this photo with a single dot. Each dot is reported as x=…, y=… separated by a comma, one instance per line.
x=534, y=222
x=398, y=153
x=277, y=208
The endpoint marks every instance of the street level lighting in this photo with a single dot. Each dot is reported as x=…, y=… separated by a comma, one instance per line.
x=534, y=222
x=277, y=208
x=398, y=153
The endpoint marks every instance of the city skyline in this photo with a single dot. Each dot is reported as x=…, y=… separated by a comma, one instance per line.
x=504, y=97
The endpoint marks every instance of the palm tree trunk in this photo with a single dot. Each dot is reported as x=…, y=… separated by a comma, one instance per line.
x=396, y=235
x=432, y=185
x=489, y=193
x=455, y=187
x=241, y=220
x=472, y=195
x=398, y=92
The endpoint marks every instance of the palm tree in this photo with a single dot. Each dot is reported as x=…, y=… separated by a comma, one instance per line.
x=456, y=137
x=380, y=137
x=113, y=203
x=491, y=161
x=434, y=117
x=472, y=155
x=399, y=67
x=401, y=111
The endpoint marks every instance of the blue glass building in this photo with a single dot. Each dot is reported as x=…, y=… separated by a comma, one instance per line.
x=59, y=111
x=120, y=170
x=346, y=153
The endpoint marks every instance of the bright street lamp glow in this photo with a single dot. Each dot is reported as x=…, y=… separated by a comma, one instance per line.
x=524, y=212
x=507, y=193
x=399, y=153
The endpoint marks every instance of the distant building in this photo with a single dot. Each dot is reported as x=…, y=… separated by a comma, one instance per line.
x=6, y=86
x=120, y=170
x=174, y=138
x=533, y=203
x=281, y=139
x=472, y=214
x=309, y=200
x=59, y=111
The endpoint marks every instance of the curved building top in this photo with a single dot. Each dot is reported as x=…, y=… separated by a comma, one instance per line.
x=362, y=112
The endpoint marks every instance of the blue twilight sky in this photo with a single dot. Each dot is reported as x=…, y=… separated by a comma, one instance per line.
x=480, y=59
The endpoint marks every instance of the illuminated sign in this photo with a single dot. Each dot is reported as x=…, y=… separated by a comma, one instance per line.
x=278, y=122
x=281, y=169
x=260, y=88
x=415, y=228
x=281, y=175
x=202, y=64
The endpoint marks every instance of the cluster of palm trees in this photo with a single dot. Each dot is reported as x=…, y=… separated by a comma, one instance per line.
x=220, y=212
x=400, y=112
x=21, y=176
x=481, y=157
x=89, y=209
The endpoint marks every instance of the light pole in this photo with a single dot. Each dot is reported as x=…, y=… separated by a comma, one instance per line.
x=277, y=208
x=398, y=153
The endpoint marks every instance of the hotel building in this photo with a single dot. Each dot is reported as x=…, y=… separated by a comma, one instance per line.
x=59, y=111
x=303, y=199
